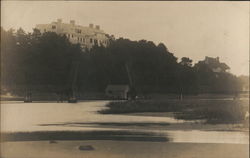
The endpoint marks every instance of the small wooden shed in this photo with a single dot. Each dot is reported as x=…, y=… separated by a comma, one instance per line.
x=116, y=91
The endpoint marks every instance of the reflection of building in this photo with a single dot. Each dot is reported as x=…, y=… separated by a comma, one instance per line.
x=87, y=37
x=117, y=91
x=215, y=65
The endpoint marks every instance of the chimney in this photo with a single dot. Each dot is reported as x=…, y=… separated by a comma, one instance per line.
x=97, y=27
x=217, y=58
x=206, y=60
x=72, y=22
x=59, y=20
x=91, y=25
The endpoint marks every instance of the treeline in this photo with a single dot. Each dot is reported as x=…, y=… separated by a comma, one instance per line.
x=44, y=62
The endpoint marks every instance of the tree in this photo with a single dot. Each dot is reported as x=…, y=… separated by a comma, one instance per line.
x=186, y=61
x=150, y=65
x=47, y=60
x=31, y=60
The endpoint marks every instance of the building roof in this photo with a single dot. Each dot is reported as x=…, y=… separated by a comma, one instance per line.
x=86, y=36
x=215, y=63
x=224, y=66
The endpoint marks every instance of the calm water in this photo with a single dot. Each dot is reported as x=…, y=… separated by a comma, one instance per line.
x=23, y=117
x=29, y=116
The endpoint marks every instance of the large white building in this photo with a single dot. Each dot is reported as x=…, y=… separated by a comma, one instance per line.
x=86, y=36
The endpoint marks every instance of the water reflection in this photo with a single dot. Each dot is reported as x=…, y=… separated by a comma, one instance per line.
x=117, y=124
x=83, y=117
x=90, y=135
x=197, y=136
x=28, y=116
x=178, y=136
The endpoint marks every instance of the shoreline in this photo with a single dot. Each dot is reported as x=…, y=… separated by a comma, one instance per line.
x=139, y=135
x=122, y=149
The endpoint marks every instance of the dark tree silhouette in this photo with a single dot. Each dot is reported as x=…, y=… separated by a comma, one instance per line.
x=44, y=62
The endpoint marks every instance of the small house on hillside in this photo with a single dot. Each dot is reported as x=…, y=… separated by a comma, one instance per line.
x=216, y=65
x=117, y=91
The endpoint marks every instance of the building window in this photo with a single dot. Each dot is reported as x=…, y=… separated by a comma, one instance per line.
x=53, y=27
x=72, y=35
x=78, y=31
x=91, y=40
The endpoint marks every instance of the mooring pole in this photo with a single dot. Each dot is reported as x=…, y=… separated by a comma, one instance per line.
x=73, y=74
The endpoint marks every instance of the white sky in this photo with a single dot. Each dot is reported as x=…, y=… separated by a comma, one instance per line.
x=191, y=29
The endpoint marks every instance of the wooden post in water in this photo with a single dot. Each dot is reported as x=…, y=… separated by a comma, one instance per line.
x=132, y=90
x=27, y=97
x=28, y=94
x=73, y=79
x=181, y=97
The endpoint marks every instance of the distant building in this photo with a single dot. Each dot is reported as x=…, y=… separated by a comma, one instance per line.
x=117, y=91
x=86, y=36
x=186, y=61
x=215, y=64
x=244, y=80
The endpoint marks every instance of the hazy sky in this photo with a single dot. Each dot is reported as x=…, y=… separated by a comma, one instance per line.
x=192, y=29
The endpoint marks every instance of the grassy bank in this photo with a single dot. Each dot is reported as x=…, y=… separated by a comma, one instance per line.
x=79, y=135
x=213, y=111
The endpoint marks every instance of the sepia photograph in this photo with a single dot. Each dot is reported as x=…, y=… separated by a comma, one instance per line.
x=124, y=79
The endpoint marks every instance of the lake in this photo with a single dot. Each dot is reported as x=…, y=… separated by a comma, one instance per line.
x=83, y=116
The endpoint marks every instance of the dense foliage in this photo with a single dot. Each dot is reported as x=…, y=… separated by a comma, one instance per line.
x=211, y=111
x=44, y=62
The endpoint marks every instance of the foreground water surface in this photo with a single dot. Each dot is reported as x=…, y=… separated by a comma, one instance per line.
x=84, y=116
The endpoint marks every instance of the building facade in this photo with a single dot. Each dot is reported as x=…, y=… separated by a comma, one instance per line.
x=216, y=65
x=86, y=36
